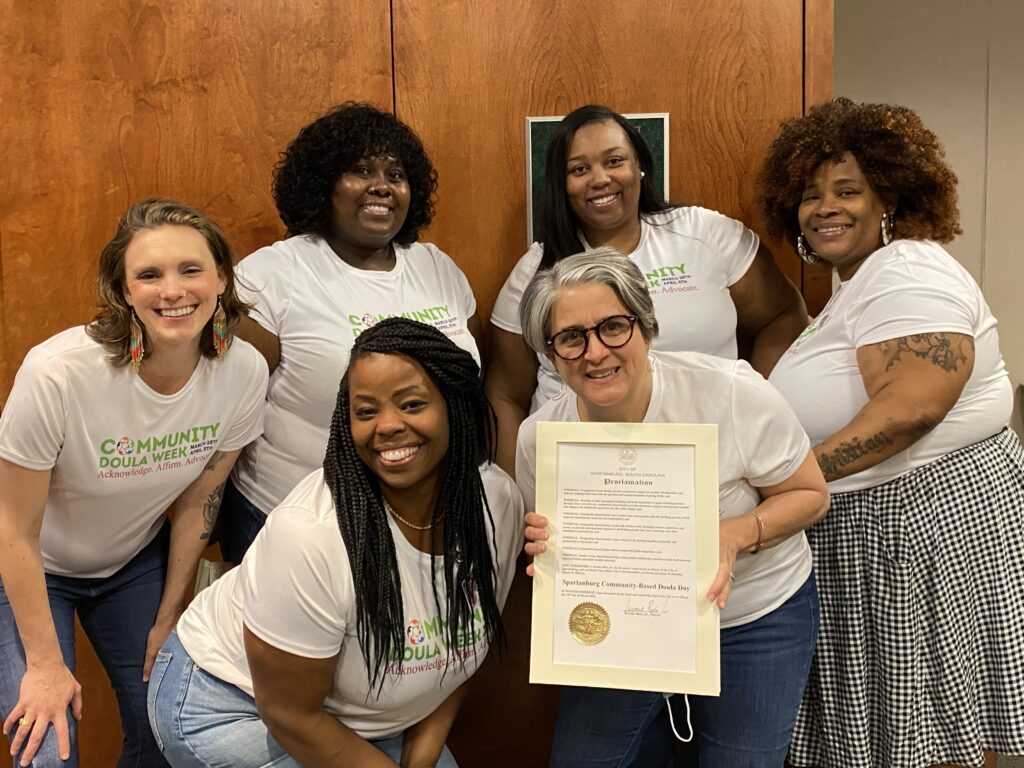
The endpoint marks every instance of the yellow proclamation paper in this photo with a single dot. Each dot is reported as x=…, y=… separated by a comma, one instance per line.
x=619, y=598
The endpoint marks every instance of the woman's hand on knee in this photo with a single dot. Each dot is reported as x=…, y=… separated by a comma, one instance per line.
x=46, y=693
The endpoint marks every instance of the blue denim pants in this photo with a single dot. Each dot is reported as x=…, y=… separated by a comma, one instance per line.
x=200, y=721
x=116, y=613
x=241, y=521
x=764, y=669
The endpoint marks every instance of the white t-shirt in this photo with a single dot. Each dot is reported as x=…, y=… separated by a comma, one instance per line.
x=316, y=304
x=690, y=257
x=760, y=443
x=120, y=453
x=294, y=590
x=905, y=288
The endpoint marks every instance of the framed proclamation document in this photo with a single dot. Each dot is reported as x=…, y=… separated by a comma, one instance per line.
x=620, y=595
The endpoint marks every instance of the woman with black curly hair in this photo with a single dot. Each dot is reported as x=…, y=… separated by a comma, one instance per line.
x=354, y=190
x=372, y=593
x=901, y=386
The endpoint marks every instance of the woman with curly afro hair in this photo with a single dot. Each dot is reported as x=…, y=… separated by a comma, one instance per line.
x=901, y=386
x=354, y=189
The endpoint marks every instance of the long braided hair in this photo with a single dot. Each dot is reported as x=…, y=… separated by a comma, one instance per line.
x=467, y=562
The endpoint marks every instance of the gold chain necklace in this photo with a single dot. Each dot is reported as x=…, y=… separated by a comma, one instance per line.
x=399, y=518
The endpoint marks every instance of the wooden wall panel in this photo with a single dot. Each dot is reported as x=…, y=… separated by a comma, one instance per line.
x=108, y=101
x=466, y=75
x=468, y=72
x=819, y=78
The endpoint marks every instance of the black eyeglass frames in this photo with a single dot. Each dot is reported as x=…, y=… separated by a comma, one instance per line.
x=614, y=331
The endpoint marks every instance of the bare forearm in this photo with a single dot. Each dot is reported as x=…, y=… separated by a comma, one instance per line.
x=322, y=741
x=510, y=383
x=425, y=740
x=190, y=535
x=509, y=416
x=772, y=341
x=21, y=568
x=784, y=516
x=881, y=429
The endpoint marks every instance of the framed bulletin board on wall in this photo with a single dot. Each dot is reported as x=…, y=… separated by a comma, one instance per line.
x=652, y=126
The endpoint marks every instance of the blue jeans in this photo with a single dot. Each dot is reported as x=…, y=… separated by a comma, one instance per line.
x=242, y=520
x=764, y=668
x=202, y=722
x=116, y=613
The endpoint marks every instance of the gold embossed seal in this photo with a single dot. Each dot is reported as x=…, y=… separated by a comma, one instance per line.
x=589, y=623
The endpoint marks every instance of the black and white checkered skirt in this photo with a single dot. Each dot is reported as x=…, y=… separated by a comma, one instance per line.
x=920, y=657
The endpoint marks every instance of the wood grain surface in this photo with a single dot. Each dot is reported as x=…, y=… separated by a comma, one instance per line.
x=109, y=101
x=468, y=73
x=819, y=86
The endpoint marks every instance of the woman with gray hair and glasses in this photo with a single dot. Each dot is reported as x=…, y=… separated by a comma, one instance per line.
x=592, y=316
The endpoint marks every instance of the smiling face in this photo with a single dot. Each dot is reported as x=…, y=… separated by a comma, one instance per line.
x=399, y=422
x=172, y=282
x=369, y=205
x=611, y=384
x=840, y=215
x=602, y=182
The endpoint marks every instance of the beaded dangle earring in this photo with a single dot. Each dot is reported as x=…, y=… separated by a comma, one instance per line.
x=135, y=346
x=220, y=331
x=809, y=256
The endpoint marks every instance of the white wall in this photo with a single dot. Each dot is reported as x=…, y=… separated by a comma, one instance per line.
x=960, y=65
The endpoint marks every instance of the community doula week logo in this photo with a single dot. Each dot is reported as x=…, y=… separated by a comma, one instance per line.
x=672, y=278
x=126, y=456
x=440, y=317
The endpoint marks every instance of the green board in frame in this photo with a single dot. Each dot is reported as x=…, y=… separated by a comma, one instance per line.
x=652, y=126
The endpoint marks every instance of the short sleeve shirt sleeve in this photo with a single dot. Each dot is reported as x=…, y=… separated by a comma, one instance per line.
x=34, y=420
x=505, y=314
x=769, y=439
x=252, y=392
x=905, y=297
x=462, y=286
x=526, y=456
x=296, y=585
x=737, y=244
x=264, y=279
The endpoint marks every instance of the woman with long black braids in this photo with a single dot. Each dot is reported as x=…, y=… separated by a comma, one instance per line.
x=373, y=592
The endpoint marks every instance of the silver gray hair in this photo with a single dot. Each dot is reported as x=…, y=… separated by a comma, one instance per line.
x=604, y=266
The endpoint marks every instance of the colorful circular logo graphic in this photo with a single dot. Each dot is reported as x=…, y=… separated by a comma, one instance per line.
x=415, y=632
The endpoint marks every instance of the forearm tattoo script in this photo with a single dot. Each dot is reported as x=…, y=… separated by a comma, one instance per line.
x=833, y=463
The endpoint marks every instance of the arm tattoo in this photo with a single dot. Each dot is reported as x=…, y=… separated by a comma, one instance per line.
x=944, y=350
x=832, y=464
x=214, y=461
x=210, y=510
